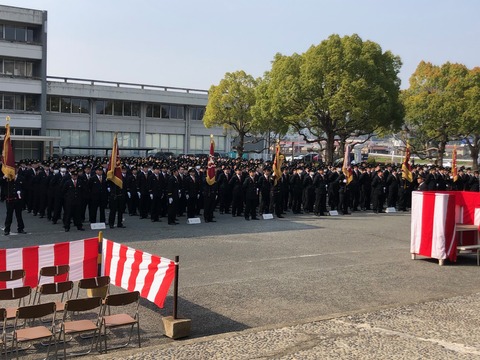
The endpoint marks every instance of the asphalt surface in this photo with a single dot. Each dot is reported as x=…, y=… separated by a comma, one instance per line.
x=275, y=288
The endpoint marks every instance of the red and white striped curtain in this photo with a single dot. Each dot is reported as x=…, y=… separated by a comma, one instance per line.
x=134, y=270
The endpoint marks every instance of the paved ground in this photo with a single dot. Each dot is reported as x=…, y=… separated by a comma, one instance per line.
x=254, y=278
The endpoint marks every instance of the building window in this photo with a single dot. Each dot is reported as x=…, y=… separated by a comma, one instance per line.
x=118, y=108
x=9, y=32
x=20, y=33
x=16, y=67
x=125, y=139
x=19, y=102
x=166, y=142
x=201, y=143
x=196, y=113
x=8, y=67
x=67, y=105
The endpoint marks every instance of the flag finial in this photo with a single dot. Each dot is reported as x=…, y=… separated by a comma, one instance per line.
x=7, y=118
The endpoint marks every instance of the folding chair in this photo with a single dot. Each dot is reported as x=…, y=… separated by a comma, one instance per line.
x=121, y=319
x=64, y=288
x=12, y=275
x=29, y=331
x=52, y=271
x=18, y=293
x=96, y=286
x=83, y=307
x=3, y=340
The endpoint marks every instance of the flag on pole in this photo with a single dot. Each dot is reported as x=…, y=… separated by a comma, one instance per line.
x=8, y=158
x=114, y=172
x=454, y=163
x=406, y=168
x=277, y=163
x=347, y=168
x=211, y=163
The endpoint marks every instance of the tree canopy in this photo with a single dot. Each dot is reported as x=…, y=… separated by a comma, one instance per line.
x=435, y=106
x=230, y=103
x=340, y=88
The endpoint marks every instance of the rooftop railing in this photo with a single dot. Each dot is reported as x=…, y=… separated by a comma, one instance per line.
x=123, y=85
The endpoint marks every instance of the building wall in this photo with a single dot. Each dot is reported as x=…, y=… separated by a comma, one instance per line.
x=69, y=108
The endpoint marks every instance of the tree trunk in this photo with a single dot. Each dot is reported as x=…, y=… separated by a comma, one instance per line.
x=474, y=150
x=330, y=147
x=441, y=151
x=241, y=144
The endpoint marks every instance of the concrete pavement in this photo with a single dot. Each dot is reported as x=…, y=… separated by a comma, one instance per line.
x=256, y=282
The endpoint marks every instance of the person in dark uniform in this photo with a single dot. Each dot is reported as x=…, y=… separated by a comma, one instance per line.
x=392, y=184
x=265, y=184
x=173, y=189
x=251, y=196
x=296, y=184
x=277, y=199
x=98, y=195
x=85, y=177
x=365, y=182
x=144, y=196
x=285, y=187
x=56, y=184
x=320, y=185
x=308, y=191
x=14, y=202
x=224, y=192
x=343, y=194
x=116, y=202
x=378, y=192
x=133, y=190
x=192, y=191
x=422, y=184
x=236, y=183
x=156, y=187
x=72, y=193
x=210, y=194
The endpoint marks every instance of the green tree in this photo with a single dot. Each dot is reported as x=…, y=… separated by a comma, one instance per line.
x=434, y=105
x=230, y=103
x=471, y=116
x=340, y=88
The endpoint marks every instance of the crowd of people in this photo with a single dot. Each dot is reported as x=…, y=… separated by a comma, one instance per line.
x=76, y=189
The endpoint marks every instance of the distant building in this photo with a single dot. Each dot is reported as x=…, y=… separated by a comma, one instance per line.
x=52, y=114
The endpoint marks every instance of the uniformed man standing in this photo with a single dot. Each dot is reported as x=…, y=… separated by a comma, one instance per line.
x=251, y=196
x=72, y=193
x=14, y=203
x=173, y=189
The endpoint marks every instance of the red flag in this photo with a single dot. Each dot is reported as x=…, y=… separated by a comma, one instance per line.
x=211, y=164
x=406, y=168
x=114, y=172
x=454, y=163
x=347, y=169
x=8, y=158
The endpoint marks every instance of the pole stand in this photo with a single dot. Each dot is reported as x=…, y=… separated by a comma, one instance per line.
x=176, y=328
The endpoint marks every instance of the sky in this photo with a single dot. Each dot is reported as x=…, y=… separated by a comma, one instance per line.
x=192, y=43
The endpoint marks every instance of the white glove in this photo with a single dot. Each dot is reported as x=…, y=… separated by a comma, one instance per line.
x=198, y=196
x=151, y=196
x=139, y=195
x=19, y=194
x=108, y=189
x=344, y=180
x=129, y=195
x=170, y=200
x=179, y=193
x=187, y=196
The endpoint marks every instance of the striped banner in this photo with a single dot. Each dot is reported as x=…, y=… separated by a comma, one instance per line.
x=133, y=270
x=81, y=255
x=433, y=225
